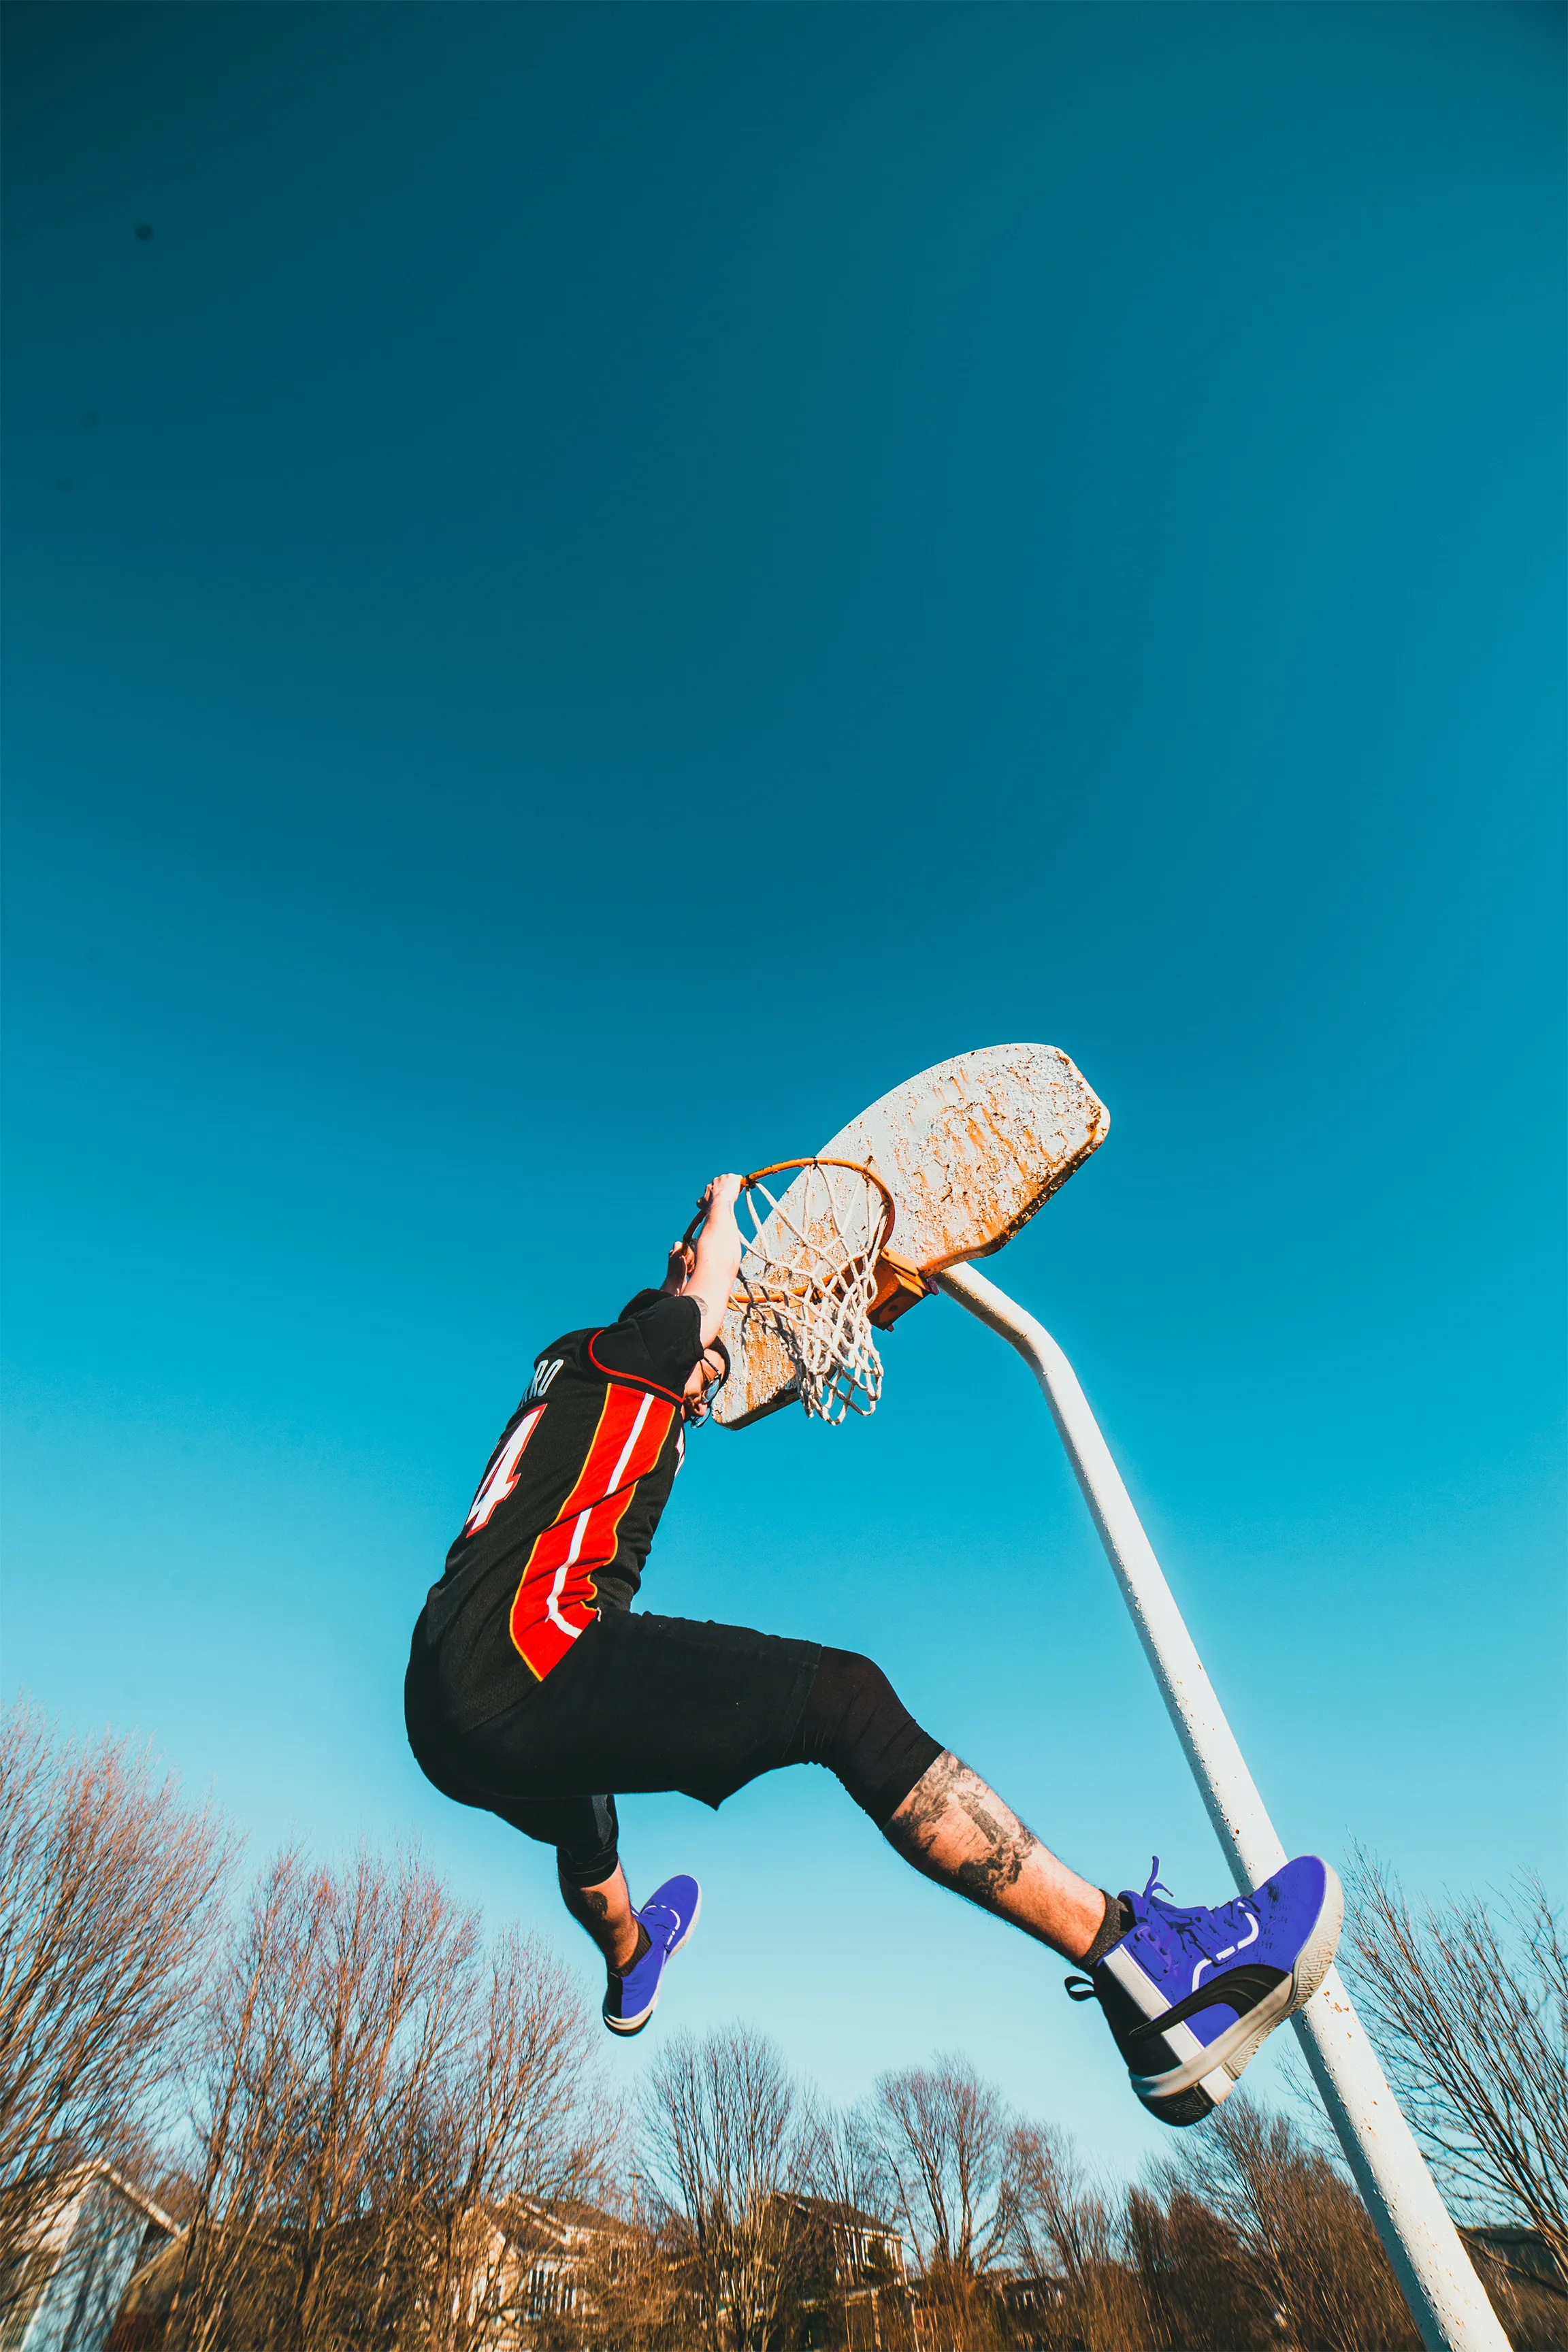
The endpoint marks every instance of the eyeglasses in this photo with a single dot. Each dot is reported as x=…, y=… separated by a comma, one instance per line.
x=698, y=1408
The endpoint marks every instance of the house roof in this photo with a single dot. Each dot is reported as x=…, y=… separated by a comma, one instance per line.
x=560, y=2218
x=151, y=2287
x=71, y=2187
x=844, y=2216
x=1519, y=2249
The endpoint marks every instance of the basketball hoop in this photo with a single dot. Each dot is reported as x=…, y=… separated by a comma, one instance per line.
x=809, y=1276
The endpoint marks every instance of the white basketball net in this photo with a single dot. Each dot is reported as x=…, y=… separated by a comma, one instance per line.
x=808, y=1274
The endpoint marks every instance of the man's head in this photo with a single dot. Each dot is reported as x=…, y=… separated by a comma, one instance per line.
x=704, y=1380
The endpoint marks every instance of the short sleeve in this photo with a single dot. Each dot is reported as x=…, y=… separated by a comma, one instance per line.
x=658, y=1344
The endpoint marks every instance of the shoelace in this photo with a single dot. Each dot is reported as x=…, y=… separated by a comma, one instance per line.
x=1082, y=1988
x=1200, y=1932
x=1210, y=1934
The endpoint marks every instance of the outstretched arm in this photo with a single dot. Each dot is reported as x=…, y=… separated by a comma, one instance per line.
x=716, y=1260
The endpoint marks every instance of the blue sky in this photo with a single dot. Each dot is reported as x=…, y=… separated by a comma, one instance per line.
x=606, y=584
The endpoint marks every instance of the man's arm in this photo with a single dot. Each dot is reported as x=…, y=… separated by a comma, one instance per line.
x=716, y=1259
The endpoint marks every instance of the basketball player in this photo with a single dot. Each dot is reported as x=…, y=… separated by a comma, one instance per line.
x=535, y=1689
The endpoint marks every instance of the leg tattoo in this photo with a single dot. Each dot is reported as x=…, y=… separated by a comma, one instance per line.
x=957, y=1830
x=606, y=1913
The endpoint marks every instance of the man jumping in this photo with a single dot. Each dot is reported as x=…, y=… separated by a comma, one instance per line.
x=534, y=1690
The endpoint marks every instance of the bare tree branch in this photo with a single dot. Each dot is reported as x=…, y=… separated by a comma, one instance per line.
x=1301, y=2235
x=109, y=1888
x=377, y=2088
x=726, y=2139
x=941, y=2153
x=1469, y=2006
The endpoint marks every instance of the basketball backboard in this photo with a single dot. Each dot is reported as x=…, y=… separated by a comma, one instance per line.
x=969, y=1150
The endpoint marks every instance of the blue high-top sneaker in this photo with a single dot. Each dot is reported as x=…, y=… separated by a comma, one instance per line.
x=668, y=1915
x=1190, y=1996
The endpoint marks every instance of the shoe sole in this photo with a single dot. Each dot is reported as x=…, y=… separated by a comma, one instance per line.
x=628, y=2025
x=1211, y=2071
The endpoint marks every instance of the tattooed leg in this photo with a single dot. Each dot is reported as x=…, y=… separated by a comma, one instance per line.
x=606, y=1913
x=959, y=1832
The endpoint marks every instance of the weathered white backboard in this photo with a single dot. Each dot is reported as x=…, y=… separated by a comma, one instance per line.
x=970, y=1149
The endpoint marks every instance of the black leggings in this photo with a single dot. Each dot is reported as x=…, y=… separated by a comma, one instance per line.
x=645, y=1703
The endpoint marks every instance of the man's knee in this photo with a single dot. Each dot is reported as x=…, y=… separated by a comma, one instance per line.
x=855, y=1723
x=587, y=1846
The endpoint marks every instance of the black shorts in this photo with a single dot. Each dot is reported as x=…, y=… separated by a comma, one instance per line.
x=643, y=1702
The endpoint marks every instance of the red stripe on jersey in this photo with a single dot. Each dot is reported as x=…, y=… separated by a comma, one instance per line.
x=555, y=1602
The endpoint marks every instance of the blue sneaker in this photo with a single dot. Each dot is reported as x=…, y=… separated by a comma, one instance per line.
x=669, y=1915
x=1190, y=1996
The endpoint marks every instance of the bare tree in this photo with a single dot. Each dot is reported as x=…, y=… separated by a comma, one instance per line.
x=245, y=2110
x=513, y=2112
x=1199, y=2289
x=1299, y=2231
x=375, y=2088
x=640, y=2290
x=109, y=1888
x=940, y=2155
x=726, y=2146
x=848, y=2285
x=1068, y=2228
x=1470, y=2007
x=383, y=2013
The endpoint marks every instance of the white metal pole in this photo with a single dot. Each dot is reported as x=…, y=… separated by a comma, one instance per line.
x=1434, y=2269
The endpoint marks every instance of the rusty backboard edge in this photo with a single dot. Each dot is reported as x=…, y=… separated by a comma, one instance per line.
x=1095, y=1137
x=789, y=1394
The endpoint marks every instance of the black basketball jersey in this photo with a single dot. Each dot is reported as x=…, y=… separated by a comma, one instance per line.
x=566, y=1510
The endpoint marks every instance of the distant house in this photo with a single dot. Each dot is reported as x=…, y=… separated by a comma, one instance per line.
x=143, y=2315
x=1525, y=2279
x=1029, y=2298
x=867, y=2250
x=61, y=2293
x=536, y=2267
x=852, y=2281
x=1524, y=2253
x=559, y=2252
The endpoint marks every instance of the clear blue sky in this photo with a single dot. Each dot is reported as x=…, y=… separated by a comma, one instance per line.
x=606, y=584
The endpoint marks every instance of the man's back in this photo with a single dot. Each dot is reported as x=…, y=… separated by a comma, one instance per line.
x=565, y=1513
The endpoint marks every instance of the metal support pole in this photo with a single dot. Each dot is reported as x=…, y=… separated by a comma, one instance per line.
x=1429, y=2259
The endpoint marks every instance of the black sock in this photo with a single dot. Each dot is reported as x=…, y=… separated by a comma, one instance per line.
x=645, y=1945
x=1116, y=1924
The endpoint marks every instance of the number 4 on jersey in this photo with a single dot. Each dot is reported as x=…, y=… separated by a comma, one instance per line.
x=501, y=1476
